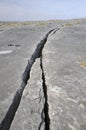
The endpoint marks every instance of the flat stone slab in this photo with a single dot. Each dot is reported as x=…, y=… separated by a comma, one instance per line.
x=57, y=78
x=28, y=116
x=16, y=47
x=64, y=63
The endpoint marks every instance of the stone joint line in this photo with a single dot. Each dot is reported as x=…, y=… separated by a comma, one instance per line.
x=10, y=114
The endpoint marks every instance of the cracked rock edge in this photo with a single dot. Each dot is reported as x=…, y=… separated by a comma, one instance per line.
x=7, y=120
x=46, y=118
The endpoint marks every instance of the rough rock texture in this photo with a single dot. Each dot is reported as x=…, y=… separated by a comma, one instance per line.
x=12, y=65
x=19, y=53
x=64, y=58
x=28, y=116
x=55, y=97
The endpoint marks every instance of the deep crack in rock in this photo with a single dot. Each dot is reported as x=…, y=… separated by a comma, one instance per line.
x=10, y=114
x=46, y=106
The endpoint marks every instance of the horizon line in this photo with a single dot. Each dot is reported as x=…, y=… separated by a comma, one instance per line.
x=42, y=20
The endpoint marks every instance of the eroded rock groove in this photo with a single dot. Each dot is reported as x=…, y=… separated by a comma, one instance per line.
x=46, y=106
x=8, y=119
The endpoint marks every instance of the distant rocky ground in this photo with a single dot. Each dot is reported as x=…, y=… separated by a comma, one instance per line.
x=55, y=95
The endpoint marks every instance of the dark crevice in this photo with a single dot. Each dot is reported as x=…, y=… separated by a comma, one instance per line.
x=8, y=119
x=55, y=30
x=46, y=106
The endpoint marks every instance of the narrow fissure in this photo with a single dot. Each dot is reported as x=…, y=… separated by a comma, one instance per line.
x=46, y=106
x=10, y=114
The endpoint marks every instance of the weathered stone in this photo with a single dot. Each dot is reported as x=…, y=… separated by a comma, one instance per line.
x=66, y=78
x=10, y=114
x=54, y=98
x=29, y=113
x=12, y=67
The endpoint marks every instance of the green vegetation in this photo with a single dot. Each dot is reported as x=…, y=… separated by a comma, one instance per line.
x=9, y=23
x=40, y=23
x=68, y=24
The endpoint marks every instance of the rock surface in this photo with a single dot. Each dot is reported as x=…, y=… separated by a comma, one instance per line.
x=55, y=96
x=28, y=116
x=64, y=57
x=16, y=47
